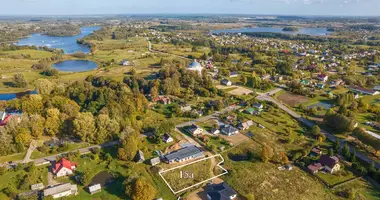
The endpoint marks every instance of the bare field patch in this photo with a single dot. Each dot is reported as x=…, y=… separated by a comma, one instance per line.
x=292, y=99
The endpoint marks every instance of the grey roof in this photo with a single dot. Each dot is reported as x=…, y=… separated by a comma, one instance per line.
x=220, y=191
x=229, y=129
x=37, y=186
x=194, y=64
x=140, y=156
x=57, y=189
x=184, y=153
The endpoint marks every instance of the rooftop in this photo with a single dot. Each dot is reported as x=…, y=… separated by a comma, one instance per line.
x=183, y=153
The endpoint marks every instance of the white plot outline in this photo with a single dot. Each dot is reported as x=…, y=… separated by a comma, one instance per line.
x=203, y=159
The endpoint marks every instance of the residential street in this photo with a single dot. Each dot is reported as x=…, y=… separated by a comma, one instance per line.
x=267, y=97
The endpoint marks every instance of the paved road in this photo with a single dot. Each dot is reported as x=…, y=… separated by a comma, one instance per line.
x=53, y=157
x=267, y=97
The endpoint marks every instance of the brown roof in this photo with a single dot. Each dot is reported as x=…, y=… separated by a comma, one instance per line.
x=326, y=160
x=314, y=167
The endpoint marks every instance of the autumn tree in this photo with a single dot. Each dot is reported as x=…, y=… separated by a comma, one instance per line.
x=52, y=122
x=129, y=147
x=44, y=86
x=37, y=123
x=143, y=190
x=106, y=128
x=284, y=159
x=266, y=153
x=84, y=126
x=32, y=104
x=19, y=81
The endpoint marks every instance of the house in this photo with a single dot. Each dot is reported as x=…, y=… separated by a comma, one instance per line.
x=246, y=125
x=139, y=156
x=195, y=130
x=3, y=114
x=163, y=100
x=316, y=151
x=38, y=186
x=314, y=168
x=377, y=88
x=167, y=138
x=229, y=130
x=155, y=161
x=258, y=106
x=183, y=154
x=9, y=116
x=226, y=82
x=327, y=163
x=125, y=63
x=362, y=91
x=330, y=164
x=214, y=131
x=220, y=191
x=233, y=74
x=95, y=188
x=305, y=82
x=323, y=77
x=265, y=77
x=63, y=167
x=251, y=111
x=320, y=85
x=186, y=108
x=62, y=190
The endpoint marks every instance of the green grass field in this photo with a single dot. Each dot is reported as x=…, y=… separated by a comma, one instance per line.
x=265, y=181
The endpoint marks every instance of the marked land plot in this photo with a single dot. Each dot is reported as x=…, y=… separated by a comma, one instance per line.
x=192, y=174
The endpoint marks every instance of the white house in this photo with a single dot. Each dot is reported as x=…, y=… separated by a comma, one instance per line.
x=167, y=138
x=226, y=82
x=229, y=130
x=62, y=190
x=125, y=63
x=63, y=167
x=323, y=77
x=195, y=130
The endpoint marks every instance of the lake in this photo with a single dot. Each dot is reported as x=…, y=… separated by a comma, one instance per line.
x=306, y=31
x=75, y=65
x=67, y=43
x=10, y=96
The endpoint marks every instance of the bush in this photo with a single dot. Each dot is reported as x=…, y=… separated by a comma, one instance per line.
x=50, y=72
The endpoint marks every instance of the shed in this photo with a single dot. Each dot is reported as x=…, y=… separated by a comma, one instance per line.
x=155, y=161
x=38, y=186
x=139, y=156
x=95, y=188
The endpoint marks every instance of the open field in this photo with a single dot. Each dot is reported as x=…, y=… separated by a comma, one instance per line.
x=185, y=176
x=265, y=181
x=181, y=50
x=292, y=99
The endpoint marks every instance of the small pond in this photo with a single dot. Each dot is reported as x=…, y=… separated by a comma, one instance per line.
x=10, y=96
x=324, y=105
x=103, y=178
x=75, y=65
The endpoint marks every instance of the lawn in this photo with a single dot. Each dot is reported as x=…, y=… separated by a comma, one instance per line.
x=13, y=157
x=191, y=174
x=339, y=177
x=12, y=179
x=265, y=181
x=71, y=147
x=362, y=188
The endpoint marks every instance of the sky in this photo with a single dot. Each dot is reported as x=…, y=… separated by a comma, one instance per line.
x=267, y=7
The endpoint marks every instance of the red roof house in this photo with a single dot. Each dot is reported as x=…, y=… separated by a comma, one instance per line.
x=64, y=167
